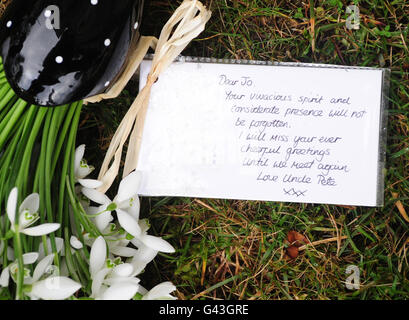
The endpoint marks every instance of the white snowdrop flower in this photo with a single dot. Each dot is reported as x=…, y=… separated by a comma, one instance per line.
x=126, y=204
x=54, y=288
x=28, y=259
x=155, y=243
x=117, y=241
x=82, y=169
x=49, y=287
x=127, y=198
x=41, y=269
x=161, y=292
x=110, y=283
x=28, y=215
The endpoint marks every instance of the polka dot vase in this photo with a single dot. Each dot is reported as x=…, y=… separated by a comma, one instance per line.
x=62, y=51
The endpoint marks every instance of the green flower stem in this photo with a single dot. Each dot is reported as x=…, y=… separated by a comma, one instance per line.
x=55, y=120
x=42, y=189
x=24, y=171
x=64, y=169
x=70, y=264
x=63, y=134
x=5, y=177
x=80, y=214
x=22, y=127
x=82, y=264
x=5, y=112
x=20, y=156
x=4, y=132
x=6, y=94
x=19, y=257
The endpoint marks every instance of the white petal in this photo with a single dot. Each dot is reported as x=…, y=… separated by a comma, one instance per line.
x=96, y=196
x=90, y=183
x=30, y=258
x=31, y=203
x=103, y=220
x=138, y=266
x=122, y=270
x=144, y=224
x=145, y=254
x=122, y=280
x=75, y=243
x=128, y=223
x=161, y=292
x=123, y=251
x=129, y=186
x=11, y=205
x=133, y=207
x=79, y=154
x=41, y=230
x=4, y=278
x=97, y=281
x=42, y=266
x=97, y=255
x=84, y=170
x=55, y=288
x=157, y=244
x=122, y=291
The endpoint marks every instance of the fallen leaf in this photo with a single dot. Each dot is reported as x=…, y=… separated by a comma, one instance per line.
x=400, y=207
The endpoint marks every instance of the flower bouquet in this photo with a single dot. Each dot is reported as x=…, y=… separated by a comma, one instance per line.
x=61, y=236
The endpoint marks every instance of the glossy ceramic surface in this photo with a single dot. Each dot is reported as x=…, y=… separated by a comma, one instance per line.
x=60, y=51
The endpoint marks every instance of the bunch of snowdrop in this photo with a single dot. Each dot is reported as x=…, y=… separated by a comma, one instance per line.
x=103, y=248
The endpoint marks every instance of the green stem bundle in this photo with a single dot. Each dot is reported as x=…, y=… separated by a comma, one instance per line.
x=37, y=149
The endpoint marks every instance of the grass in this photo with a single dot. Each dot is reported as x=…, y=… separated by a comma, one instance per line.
x=235, y=249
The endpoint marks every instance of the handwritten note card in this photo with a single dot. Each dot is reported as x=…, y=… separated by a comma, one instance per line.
x=259, y=132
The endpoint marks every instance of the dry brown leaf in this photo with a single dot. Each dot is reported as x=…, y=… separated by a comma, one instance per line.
x=400, y=207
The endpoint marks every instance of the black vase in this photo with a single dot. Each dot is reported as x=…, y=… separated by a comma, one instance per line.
x=59, y=51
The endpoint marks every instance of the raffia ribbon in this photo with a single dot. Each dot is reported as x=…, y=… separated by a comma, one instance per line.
x=186, y=23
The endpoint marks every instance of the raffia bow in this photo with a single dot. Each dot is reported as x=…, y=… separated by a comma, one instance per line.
x=186, y=23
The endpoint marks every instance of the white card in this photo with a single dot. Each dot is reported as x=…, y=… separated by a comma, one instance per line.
x=261, y=132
